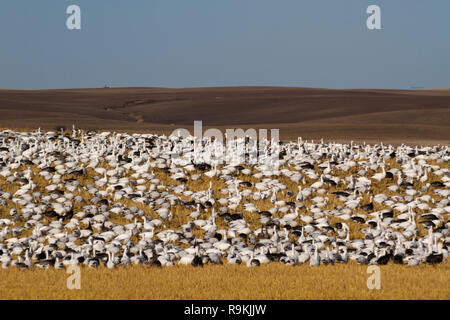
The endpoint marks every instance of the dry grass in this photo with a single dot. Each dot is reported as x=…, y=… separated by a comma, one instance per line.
x=274, y=281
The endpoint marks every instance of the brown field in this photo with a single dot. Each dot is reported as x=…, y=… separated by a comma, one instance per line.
x=391, y=116
x=273, y=281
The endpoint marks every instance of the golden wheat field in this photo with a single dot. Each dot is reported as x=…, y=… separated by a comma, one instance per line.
x=273, y=281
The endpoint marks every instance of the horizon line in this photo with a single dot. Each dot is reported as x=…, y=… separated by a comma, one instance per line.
x=412, y=88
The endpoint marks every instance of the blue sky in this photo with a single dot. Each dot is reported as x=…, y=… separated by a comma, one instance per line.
x=192, y=43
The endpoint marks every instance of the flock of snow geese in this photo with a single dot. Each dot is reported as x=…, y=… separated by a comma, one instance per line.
x=113, y=199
